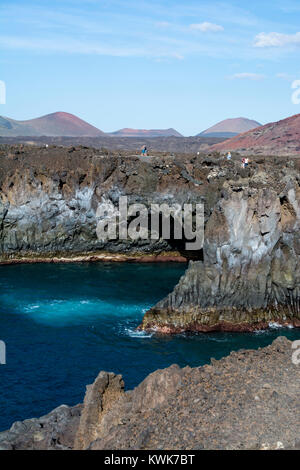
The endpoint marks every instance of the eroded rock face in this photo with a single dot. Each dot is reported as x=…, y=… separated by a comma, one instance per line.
x=153, y=393
x=250, y=275
x=50, y=198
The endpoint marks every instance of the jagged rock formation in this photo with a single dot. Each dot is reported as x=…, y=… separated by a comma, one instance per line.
x=248, y=400
x=250, y=274
x=98, y=401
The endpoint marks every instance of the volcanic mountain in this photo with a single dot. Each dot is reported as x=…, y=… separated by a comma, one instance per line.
x=127, y=132
x=230, y=128
x=55, y=124
x=277, y=138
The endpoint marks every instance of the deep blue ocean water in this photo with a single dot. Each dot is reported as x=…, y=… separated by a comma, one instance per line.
x=63, y=323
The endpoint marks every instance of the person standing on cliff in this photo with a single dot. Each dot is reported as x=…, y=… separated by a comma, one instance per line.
x=144, y=152
x=229, y=156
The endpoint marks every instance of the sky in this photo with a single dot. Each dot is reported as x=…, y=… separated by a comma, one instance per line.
x=150, y=64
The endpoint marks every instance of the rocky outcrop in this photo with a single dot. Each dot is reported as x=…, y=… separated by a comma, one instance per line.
x=55, y=431
x=248, y=400
x=152, y=394
x=250, y=274
x=99, y=399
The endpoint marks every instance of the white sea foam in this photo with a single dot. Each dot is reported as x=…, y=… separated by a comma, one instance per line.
x=133, y=333
x=218, y=340
x=260, y=332
x=32, y=307
x=275, y=325
x=145, y=310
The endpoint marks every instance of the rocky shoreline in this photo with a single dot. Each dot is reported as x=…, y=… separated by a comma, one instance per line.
x=167, y=257
x=247, y=400
x=160, y=323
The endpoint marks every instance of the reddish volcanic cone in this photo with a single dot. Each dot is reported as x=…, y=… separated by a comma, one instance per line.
x=56, y=124
x=62, y=124
x=276, y=138
x=230, y=128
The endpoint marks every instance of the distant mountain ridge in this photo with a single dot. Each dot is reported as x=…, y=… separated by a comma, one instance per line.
x=128, y=132
x=55, y=124
x=276, y=138
x=230, y=128
x=61, y=124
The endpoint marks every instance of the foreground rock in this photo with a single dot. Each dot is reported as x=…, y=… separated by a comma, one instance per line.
x=248, y=400
x=99, y=399
x=55, y=431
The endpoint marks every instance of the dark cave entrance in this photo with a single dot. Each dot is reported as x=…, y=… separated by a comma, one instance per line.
x=179, y=244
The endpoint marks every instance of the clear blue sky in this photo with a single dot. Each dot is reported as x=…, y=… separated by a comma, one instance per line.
x=150, y=64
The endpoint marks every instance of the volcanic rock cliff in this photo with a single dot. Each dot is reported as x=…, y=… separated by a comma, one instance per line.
x=49, y=197
x=246, y=274
x=250, y=273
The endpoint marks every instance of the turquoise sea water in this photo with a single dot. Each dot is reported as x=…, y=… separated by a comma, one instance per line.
x=63, y=323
